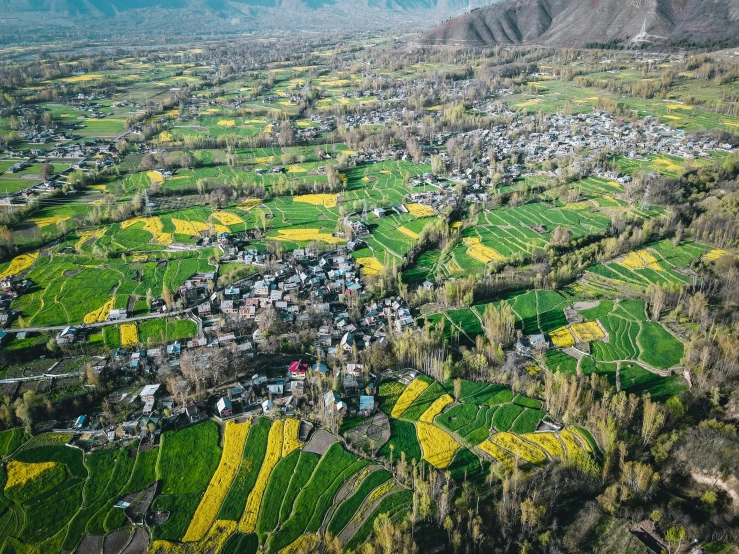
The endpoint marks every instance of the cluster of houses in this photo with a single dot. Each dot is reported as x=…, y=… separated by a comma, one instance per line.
x=11, y=288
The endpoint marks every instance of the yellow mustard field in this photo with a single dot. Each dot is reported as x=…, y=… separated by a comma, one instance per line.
x=513, y=444
x=370, y=266
x=227, y=218
x=436, y=408
x=407, y=232
x=152, y=224
x=155, y=176
x=438, y=446
x=498, y=453
x=190, y=228
x=306, y=543
x=420, y=210
x=572, y=445
x=480, y=252
x=212, y=542
x=101, y=314
x=290, y=441
x=20, y=473
x=412, y=392
x=233, y=449
x=51, y=220
x=253, y=502
x=548, y=442
x=249, y=203
x=307, y=235
x=714, y=255
x=129, y=334
x=587, y=332
x=640, y=259
x=19, y=263
x=562, y=338
x=325, y=200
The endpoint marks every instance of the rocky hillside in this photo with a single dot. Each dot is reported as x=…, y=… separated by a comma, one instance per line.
x=579, y=22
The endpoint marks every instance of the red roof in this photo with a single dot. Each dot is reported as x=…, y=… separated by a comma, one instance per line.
x=298, y=367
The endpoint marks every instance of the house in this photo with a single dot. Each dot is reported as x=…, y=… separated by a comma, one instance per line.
x=320, y=367
x=148, y=396
x=347, y=342
x=297, y=370
x=80, y=422
x=366, y=405
x=117, y=314
x=195, y=412
x=354, y=369
x=224, y=407
x=67, y=335
x=276, y=388
x=236, y=393
x=296, y=388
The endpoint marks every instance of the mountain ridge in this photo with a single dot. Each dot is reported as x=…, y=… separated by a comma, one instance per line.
x=574, y=23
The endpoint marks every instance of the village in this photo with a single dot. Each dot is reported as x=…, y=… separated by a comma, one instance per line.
x=316, y=298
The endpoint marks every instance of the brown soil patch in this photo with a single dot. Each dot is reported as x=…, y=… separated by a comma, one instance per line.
x=139, y=543
x=320, y=442
x=115, y=542
x=90, y=545
x=580, y=306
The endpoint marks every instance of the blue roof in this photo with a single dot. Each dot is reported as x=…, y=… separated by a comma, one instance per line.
x=367, y=403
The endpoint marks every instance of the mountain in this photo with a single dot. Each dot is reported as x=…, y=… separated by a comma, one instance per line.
x=285, y=14
x=572, y=23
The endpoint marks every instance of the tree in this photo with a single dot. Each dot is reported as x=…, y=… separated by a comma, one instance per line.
x=697, y=306
x=653, y=419
x=657, y=300
x=187, y=161
x=499, y=323
x=148, y=161
x=23, y=413
x=675, y=537
x=438, y=167
x=167, y=297
x=47, y=170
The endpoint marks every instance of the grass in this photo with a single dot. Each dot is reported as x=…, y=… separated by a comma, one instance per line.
x=238, y=543
x=528, y=421
x=12, y=439
x=402, y=439
x=505, y=416
x=332, y=464
x=144, y=471
x=182, y=508
x=182, y=472
x=422, y=403
x=349, y=507
x=465, y=465
x=658, y=347
x=254, y=451
x=559, y=362
x=390, y=505
x=269, y=511
x=163, y=330
x=457, y=416
x=303, y=471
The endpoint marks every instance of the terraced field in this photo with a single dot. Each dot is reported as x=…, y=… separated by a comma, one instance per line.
x=261, y=488
x=486, y=423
